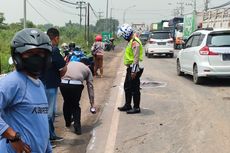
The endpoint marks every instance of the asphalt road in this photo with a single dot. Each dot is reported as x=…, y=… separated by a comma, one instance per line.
x=177, y=115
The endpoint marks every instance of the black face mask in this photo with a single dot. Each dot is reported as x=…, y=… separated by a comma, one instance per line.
x=34, y=64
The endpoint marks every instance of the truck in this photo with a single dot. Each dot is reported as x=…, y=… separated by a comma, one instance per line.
x=192, y=21
x=216, y=18
x=176, y=29
x=162, y=25
x=212, y=18
x=139, y=27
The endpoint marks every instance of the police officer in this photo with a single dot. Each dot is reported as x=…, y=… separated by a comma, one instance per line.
x=23, y=104
x=71, y=90
x=133, y=55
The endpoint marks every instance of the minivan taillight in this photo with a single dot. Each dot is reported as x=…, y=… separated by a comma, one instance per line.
x=152, y=42
x=170, y=41
x=205, y=51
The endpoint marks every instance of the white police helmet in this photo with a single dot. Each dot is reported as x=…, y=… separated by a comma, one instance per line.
x=125, y=31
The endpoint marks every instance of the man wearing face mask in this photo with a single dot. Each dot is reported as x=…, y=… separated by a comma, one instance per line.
x=52, y=79
x=23, y=103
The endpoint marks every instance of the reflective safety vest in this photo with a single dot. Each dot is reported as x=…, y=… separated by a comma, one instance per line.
x=129, y=55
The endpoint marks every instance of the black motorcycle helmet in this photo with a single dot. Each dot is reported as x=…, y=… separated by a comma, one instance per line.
x=72, y=46
x=27, y=39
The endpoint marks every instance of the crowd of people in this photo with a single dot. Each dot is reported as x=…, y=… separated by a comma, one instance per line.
x=28, y=95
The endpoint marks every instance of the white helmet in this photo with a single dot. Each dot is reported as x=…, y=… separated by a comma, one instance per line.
x=125, y=31
x=64, y=45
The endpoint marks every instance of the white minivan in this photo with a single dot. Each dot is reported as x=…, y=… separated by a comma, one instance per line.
x=160, y=43
x=206, y=53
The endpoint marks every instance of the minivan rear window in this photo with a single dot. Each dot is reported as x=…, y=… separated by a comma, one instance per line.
x=160, y=35
x=219, y=40
x=144, y=35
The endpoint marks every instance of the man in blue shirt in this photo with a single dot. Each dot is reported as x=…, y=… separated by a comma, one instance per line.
x=52, y=79
x=23, y=103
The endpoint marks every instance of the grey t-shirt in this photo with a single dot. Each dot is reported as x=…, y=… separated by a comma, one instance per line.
x=80, y=72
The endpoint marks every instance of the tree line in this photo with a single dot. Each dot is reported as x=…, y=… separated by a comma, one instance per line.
x=71, y=32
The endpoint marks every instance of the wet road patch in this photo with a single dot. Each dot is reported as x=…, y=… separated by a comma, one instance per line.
x=152, y=84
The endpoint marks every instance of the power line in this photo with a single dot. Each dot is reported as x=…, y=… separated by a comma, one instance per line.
x=58, y=8
x=223, y=5
x=94, y=12
x=63, y=4
x=80, y=5
x=38, y=12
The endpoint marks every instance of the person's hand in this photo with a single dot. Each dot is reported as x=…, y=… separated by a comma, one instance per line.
x=21, y=147
x=93, y=110
x=133, y=75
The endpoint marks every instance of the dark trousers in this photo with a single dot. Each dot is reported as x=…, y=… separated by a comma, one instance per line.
x=132, y=88
x=71, y=107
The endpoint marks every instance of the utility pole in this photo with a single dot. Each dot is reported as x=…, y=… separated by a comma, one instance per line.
x=111, y=20
x=107, y=7
x=100, y=14
x=176, y=11
x=181, y=8
x=206, y=5
x=88, y=5
x=24, y=14
x=194, y=5
x=107, y=18
x=81, y=5
x=86, y=21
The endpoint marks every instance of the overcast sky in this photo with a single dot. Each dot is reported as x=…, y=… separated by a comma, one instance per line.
x=58, y=13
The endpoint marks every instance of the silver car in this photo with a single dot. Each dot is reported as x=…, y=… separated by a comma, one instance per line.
x=206, y=53
x=160, y=43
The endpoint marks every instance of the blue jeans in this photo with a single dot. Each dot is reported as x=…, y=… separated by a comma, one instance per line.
x=51, y=95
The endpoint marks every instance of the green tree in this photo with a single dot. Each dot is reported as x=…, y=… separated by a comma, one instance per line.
x=71, y=32
x=2, y=18
x=109, y=25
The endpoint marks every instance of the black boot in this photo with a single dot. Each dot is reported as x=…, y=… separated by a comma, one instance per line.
x=134, y=111
x=127, y=106
x=124, y=108
x=78, y=129
x=136, y=101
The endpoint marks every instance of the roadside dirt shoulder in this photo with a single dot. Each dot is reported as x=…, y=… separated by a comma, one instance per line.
x=78, y=143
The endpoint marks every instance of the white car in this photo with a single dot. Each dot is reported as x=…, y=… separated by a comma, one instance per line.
x=206, y=53
x=160, y=43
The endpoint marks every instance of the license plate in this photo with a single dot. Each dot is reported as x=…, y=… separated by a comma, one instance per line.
x=226, y=57
x=161, y=43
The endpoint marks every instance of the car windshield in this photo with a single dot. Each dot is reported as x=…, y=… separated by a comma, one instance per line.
x=160, y=35
x=219, y=40
x=144, y=36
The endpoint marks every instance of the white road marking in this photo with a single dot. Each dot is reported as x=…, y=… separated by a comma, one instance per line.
x=111, y=140
x=93, y=139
